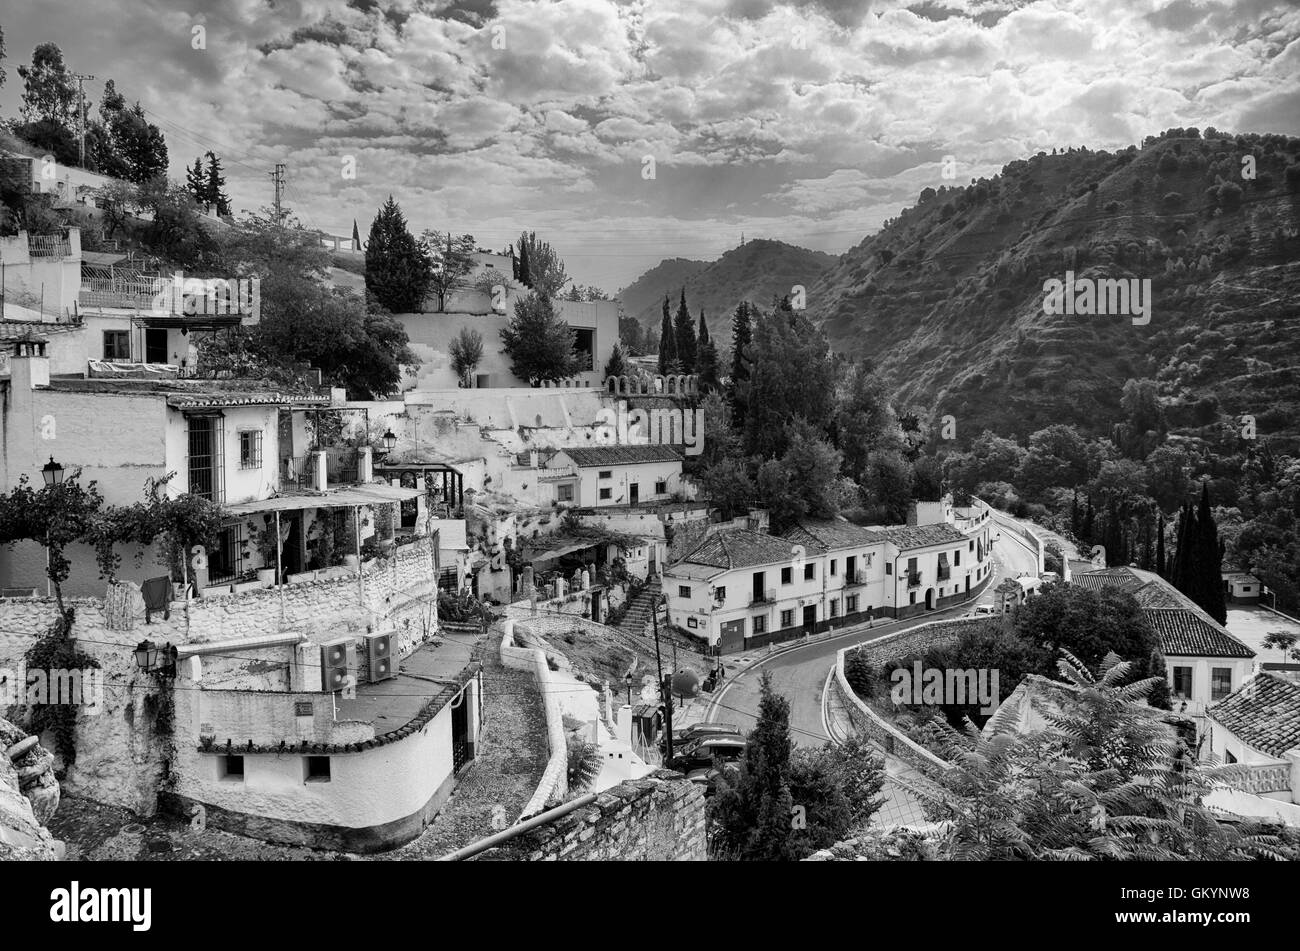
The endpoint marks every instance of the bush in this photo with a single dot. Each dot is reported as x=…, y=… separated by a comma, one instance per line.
x=859, y=673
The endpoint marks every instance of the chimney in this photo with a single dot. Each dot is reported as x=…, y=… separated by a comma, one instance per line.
x=29, y=367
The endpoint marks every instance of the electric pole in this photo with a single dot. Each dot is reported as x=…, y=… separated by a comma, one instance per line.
x=665, y=683
x=277, y=178
x=81, y=116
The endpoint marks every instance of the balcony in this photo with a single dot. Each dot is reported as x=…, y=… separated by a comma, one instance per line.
x=914, y=579
x=764, y=597
x=855, y=578
x=945, y=572
x=299, y=472
x=1261, y=779
x=341, y=465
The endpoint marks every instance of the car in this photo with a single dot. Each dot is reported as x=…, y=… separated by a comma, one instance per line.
x=708, y=777
x=698, y=731
x=704, y=752
x=983, y=610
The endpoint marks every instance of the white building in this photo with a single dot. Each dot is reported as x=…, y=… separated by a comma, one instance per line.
x=1258, y=728
x=601, y=476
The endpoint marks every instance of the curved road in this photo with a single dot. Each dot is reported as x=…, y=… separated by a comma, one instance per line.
x=799, y=674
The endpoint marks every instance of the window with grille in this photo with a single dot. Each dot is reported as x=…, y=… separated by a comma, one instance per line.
x=760, y=624
x=1220, y=682
x=205, y=436
x=250, y=449
x=787, y=618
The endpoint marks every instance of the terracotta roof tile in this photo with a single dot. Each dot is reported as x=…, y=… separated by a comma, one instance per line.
x=1264, y=713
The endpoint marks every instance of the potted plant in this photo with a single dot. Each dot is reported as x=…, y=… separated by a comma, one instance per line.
x=267, y=548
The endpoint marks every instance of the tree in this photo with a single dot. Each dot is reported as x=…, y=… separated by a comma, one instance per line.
x=617, y=365
x=791, y=378
x=543, y=268
x=450, y=260
x=54, y=516
x=538, y=342
x=631, y=334
x=706, y=360
x=214, y=187
x=738, y=384
x=118, y=201
x=750, y=818
x=1209, y=584
x=49, y=92
x=466, y=351
x=668, y=361
x=728, y=488
x=195, y=181
x=864, y=419
x=356, y=236
x=397, y=265
x=1282, y=641
x=138, y=147
x=174, y=231
x=522, y=270
x=684, y=332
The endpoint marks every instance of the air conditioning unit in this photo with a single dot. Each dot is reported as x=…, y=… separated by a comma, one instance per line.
x=335, y=665
x=379, y=651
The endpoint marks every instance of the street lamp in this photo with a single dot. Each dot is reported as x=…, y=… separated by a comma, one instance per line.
x=390, y=440
x=151, y=658
x=52, y=473
x=627, y=682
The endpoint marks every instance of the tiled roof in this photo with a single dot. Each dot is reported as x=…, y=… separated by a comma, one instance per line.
x=740, y=548
x=1120, y=578
x=920, y=536
x=1264, y=713
x=1184, y=633
x=686, y=536
x=831, y=535
x=589, y=457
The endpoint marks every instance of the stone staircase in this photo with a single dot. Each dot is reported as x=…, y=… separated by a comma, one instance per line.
x=638, y=615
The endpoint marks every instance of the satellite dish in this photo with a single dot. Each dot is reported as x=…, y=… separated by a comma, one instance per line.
x=686, y=684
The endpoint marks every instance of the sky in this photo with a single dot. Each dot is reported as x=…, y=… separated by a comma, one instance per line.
x=628, y=131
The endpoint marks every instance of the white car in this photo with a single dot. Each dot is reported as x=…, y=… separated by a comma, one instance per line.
x=983, y=610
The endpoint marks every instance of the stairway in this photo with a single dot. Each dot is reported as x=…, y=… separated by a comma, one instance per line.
x=638, y=615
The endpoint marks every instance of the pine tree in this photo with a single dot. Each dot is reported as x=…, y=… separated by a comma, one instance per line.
x=356, y=236
x=397, y=266
x=667, y=343
x=684, y=331
x=214, y=187
x=742, y=336
x=706, y=361
x=617, y=365
x=195, y=182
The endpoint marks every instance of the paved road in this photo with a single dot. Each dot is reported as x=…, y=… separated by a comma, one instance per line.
x=800, y=674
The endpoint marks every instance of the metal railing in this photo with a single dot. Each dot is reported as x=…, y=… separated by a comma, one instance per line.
x=48, y=246
x=945, y=572
x=914, y=579
x=342, y=465
x=857, y=576
x=299, y=472
x=764, y=597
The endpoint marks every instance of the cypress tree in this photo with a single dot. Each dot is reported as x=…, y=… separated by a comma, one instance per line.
x=525, y=278
x=214, y=187
x=356, y=236
x=1089, y=522
x=1161, y=568
x=706, y=362
x=667, y=343
x=684, y=331
x=1209, y=588
x=742, y=335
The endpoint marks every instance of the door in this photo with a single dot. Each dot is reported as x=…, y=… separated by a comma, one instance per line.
x=929, y=599
x=758, y=586
x=810, y=618
x=291, y=547
x=462, y=750
x=155, y=345
x=732, y=636
x=633, y=493
x=596, y=605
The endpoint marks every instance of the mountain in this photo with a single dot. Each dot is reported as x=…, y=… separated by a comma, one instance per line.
x=948, y=299
x=755, y=271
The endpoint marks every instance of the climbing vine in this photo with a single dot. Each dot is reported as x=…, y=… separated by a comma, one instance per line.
x=55, y=651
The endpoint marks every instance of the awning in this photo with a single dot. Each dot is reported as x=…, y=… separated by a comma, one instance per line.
x=336, y=498
x=561, y=550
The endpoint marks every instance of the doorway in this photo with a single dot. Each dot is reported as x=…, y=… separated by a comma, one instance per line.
x=462, y=750
x=291, y=548
x=633, y=493
x=810, y=618
x=155, y=345
x=929, y=599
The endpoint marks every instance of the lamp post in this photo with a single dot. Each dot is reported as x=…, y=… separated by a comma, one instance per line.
x=153, y=659
x=52, y=475
x=627, y=682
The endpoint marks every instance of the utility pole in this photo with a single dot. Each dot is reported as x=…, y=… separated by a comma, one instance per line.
x=665, y=683
x=81, y=116
x=277, y=178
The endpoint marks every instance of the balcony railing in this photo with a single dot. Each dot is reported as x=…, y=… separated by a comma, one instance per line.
x=764, y=597
x=945, y=572
x=299, y=472
x=914, y=579
x=48, y=246
x=856, y=577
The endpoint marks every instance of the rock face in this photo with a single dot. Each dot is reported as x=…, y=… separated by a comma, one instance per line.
x=29, y=796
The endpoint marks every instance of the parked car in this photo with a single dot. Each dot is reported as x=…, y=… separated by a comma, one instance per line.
x=698, y=731
x=702, y=753
x=983, y=610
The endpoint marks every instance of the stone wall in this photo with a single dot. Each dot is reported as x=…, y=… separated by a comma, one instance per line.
x=555, y=779
x=655, y=819
x=29, y=797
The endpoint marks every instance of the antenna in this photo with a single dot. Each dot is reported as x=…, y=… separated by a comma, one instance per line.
x=81, y=115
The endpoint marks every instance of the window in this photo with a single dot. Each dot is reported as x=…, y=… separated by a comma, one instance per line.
x=760, y=623
x=851, y=604
x=787, y=618
x=787, y=576
x=318, y=769
x=661, y=487
x=564, y=493
x=230, y=768
x=606, y=474
x=956, y=557
x=720, y=595
x=1220, y=682
x=889, y=568
x=250, y=449
x=809, y=572
x=117, y=345
x=683, y=591
x=971, y=546
x=1183, y=683
x=606, y=493
x=911, y=597
x=834, y=567
x=835, y=607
